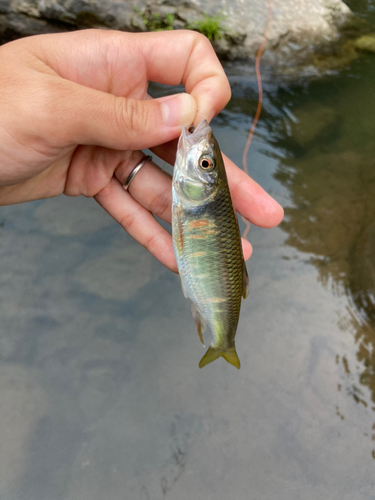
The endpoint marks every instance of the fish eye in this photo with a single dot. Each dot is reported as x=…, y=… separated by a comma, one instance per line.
x=207, y=163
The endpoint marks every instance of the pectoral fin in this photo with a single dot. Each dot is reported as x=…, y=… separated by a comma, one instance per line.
x=200, y=322
x=245, y=282
x=184, y=291
x=178, y=234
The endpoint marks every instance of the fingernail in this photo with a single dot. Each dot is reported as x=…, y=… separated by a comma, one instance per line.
x=178, y=110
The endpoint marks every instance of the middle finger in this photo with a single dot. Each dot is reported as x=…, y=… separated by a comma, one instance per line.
x=93, y=167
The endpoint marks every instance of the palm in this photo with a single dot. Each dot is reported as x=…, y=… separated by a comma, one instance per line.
x=42, y=167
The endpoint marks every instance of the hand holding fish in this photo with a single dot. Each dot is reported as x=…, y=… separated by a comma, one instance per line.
x=75, y=113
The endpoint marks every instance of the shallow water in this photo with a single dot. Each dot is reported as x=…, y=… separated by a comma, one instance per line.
x=101, y=395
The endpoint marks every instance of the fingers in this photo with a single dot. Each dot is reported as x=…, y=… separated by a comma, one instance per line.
x=137, y=222
x=92, y=173
x=167, y=151
x=247, y=249
x=249, y=198
x=104, y=63
x=79, y=115
x=150, y=193
x=92, y=169
x=141, y=225
x=192, y=62
x=151, y=187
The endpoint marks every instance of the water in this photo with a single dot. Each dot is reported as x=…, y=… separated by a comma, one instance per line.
x=101, y=395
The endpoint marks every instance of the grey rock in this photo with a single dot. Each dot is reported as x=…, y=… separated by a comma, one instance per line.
x=15, y=25
x=29, y=8
x=119, y=15
x=4, y=6
x=298, y=29
x=52, y=10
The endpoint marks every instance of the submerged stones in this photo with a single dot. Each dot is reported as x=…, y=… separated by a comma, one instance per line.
x=363, y=275
x=366, y=43
x=328, y=167
x=313, y=123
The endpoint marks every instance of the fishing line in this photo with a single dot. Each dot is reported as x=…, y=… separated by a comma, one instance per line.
x=260, y=101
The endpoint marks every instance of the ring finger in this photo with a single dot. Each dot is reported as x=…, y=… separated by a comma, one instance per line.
x=133, y=209
x=151, y=186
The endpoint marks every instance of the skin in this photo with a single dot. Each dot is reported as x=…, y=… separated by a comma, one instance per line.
x=75, y=114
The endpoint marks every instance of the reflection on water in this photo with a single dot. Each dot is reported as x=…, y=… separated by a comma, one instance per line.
x=99, y=381
x=326, y=152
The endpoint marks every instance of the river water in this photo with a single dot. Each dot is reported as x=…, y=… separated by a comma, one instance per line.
x=101, y=395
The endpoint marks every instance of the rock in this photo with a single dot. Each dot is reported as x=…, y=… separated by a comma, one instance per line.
x=311, y=123
x=366, y=43
x=13, y=26
x=298, y=28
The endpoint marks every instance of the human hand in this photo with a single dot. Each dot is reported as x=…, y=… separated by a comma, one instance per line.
x=75, y=114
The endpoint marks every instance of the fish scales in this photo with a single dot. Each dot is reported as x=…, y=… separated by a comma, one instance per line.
x=220, y=262
x=207, y=241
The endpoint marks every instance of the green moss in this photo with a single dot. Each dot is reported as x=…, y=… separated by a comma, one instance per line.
x=210, y=26
x=155, y=21
x=340, y=58
x=366, y=43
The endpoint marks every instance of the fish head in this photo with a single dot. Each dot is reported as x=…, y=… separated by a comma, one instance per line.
x=199, y=169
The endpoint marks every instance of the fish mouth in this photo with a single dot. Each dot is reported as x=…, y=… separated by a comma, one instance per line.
x=193, y=136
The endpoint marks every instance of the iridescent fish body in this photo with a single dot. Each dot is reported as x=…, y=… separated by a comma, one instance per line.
x=207, y=241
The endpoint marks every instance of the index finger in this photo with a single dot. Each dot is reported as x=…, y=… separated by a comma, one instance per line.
x=105, y=59
x=192, y=61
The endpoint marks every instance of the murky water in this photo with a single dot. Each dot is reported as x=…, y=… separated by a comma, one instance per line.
x=101, y=395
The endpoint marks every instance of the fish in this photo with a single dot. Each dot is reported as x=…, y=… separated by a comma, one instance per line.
x=207, y=241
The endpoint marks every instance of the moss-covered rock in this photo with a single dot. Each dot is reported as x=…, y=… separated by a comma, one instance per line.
x=313, y=123
x=365, y=42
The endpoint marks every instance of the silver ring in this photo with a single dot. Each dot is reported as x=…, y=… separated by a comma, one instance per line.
x=135, y=170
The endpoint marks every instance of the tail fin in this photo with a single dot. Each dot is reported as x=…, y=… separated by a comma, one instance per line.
x=213, y=353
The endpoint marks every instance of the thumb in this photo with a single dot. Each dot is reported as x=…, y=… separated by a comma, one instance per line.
x=82, y=115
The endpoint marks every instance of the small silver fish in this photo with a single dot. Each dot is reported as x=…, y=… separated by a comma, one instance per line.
x=207, y=241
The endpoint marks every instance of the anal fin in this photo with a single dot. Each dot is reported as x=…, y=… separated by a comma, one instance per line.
x=184, y=291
